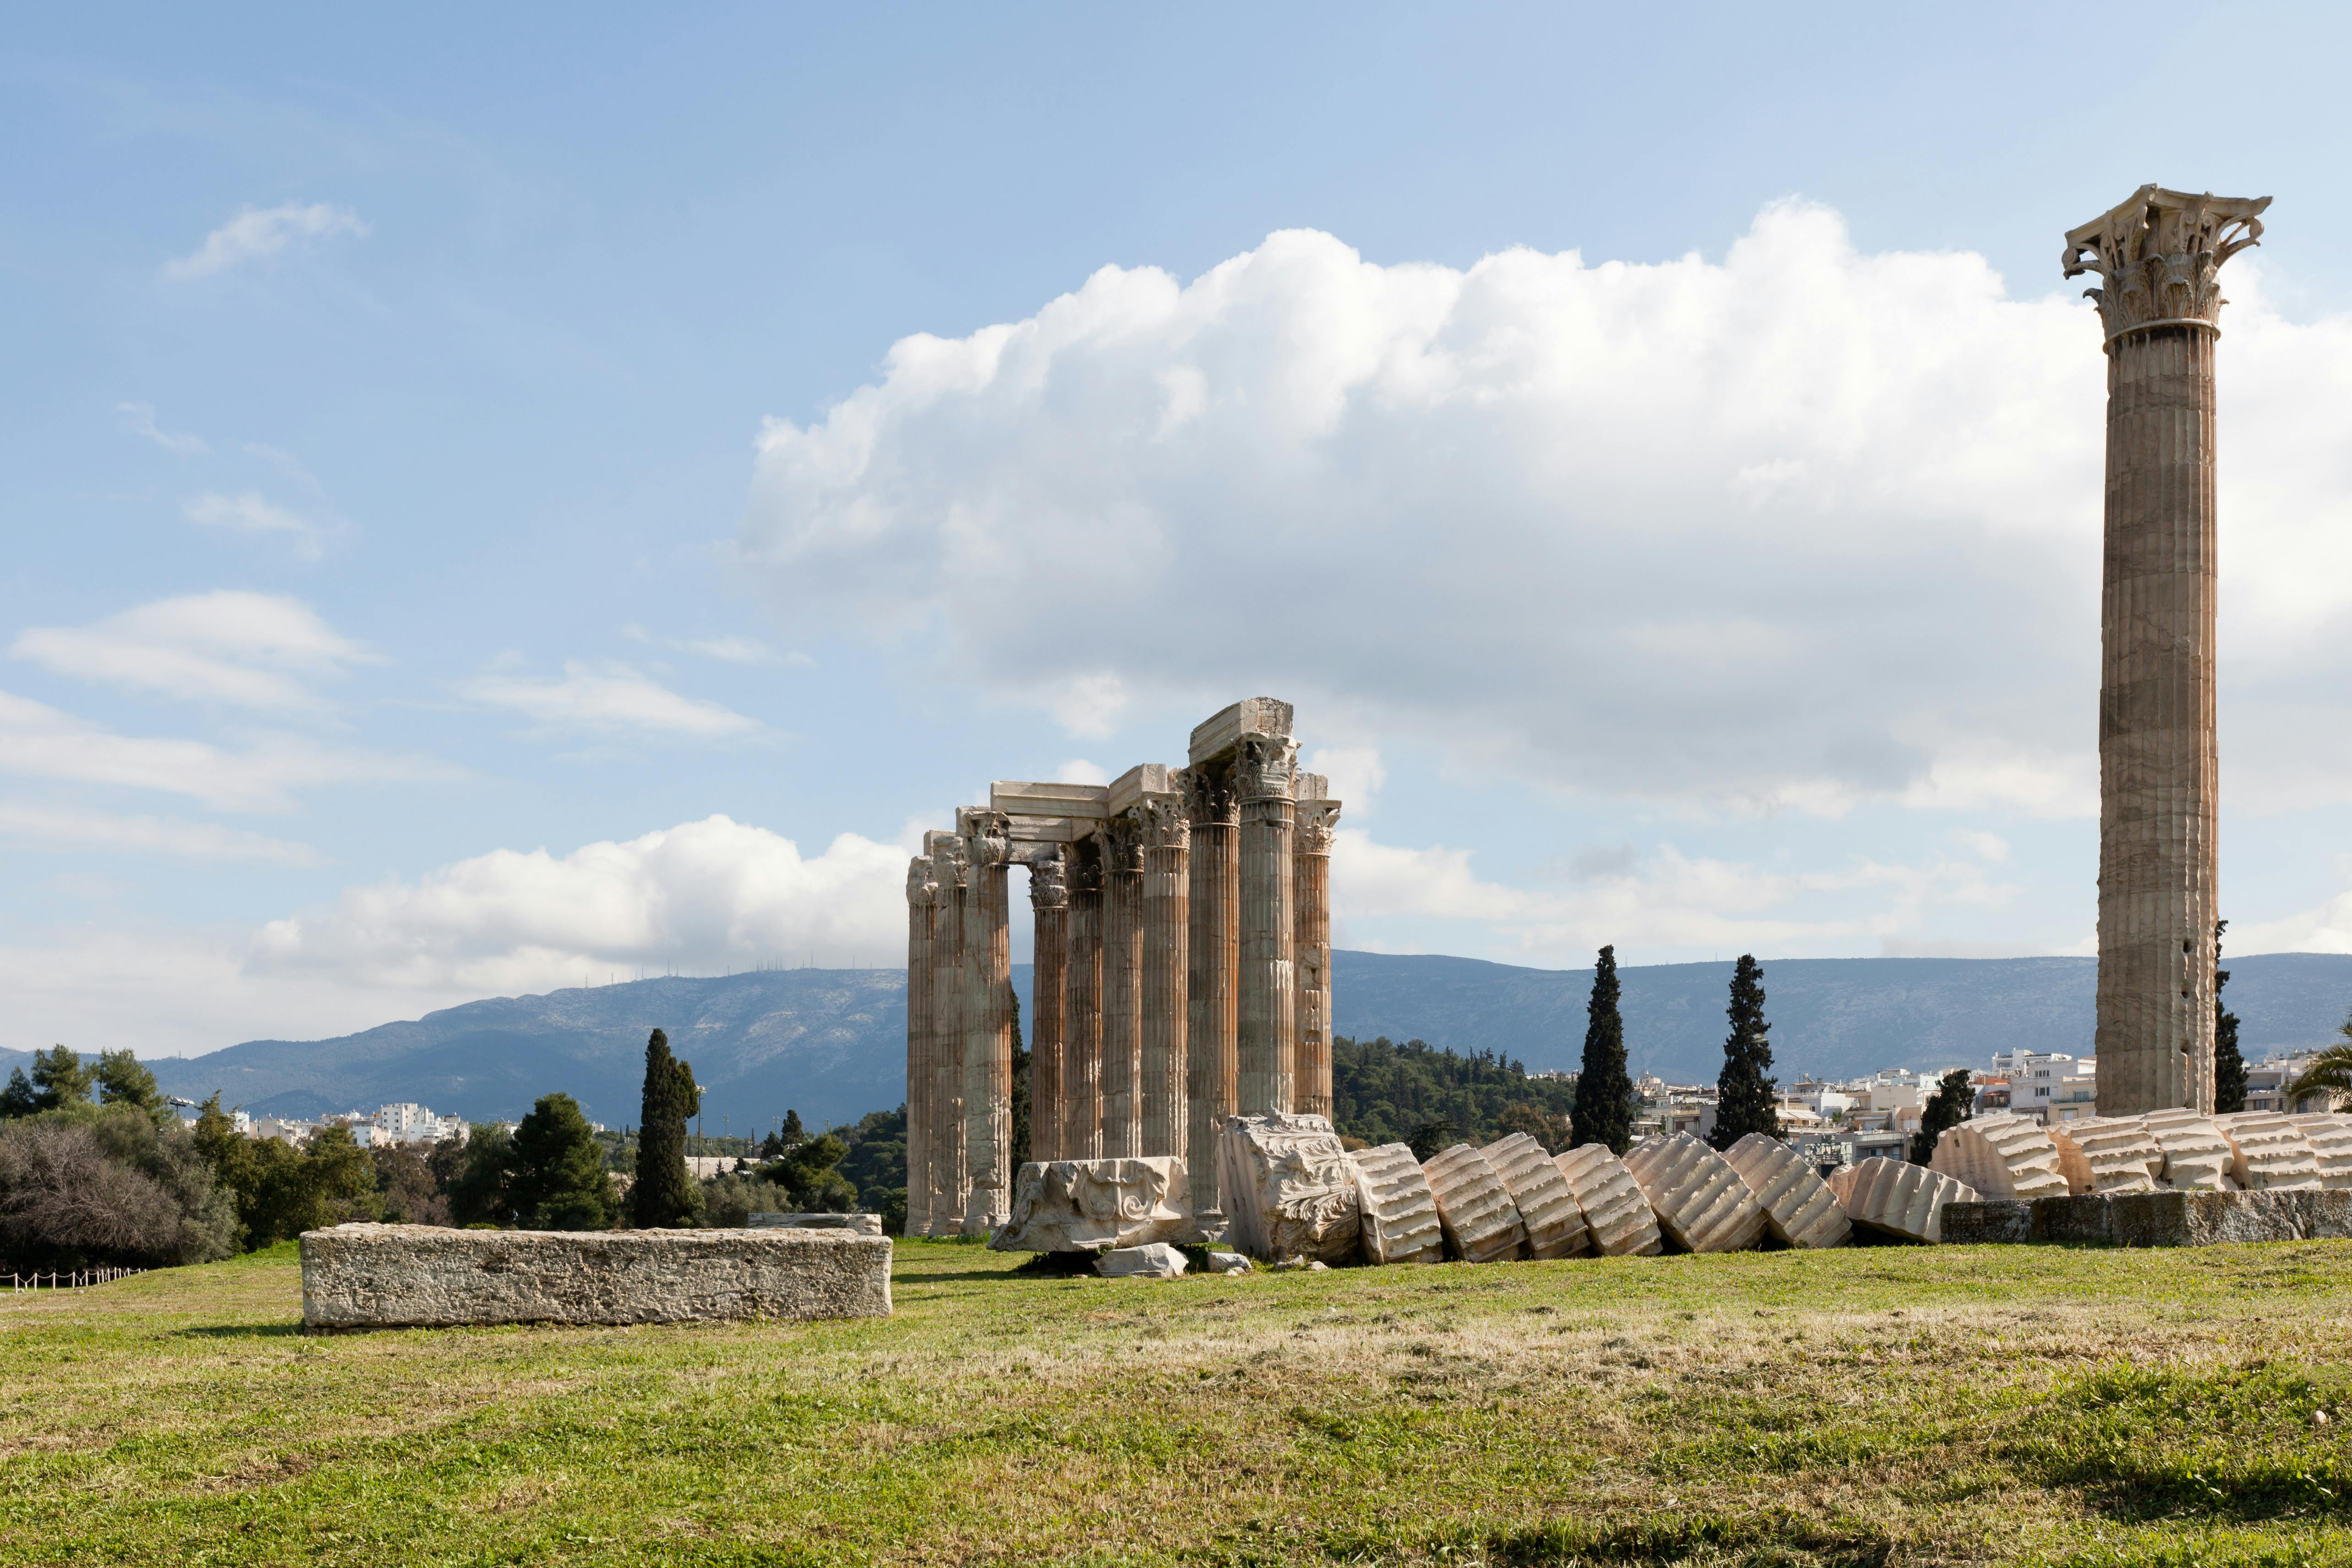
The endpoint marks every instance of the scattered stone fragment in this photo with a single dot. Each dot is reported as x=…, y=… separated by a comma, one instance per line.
x=1898, y=1197
x=1155, y=1261
x=2001, y=1156
x=2197, y=1157
x=2331, y=1140
x=1701, y=1203
x=1547, y=1204
x=1799, y=1207
x=1228, y=1263
x=1620, y=1218
x=1482, y=1224
x=1080, y=1205
x=2111, y=1153
x=2269, y=1153
x=1287, y=1187
x=1399, y=1211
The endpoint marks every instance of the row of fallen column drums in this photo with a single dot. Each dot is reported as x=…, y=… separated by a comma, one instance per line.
x=1512, y=1201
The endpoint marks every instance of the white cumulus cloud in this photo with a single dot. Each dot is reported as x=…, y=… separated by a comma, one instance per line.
x=607, y=698
x=258, y=233
x=249, y=650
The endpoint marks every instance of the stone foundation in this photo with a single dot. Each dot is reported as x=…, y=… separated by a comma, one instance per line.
x=2155, y=1219
x=422, y=1276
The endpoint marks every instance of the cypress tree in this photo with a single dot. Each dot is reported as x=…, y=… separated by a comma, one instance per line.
x=1604, y=1095
x=1953, y=1102
x=1744, y=1099
x=2228, y=1066
x=663, y=1193
x=1020, y=1088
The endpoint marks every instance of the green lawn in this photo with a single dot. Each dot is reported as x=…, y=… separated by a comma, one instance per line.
x=1876, y=1404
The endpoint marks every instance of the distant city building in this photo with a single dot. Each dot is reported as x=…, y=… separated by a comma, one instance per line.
x=2267, y=1082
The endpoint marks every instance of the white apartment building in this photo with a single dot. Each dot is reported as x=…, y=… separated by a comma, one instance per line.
x=409, y=1123
x=2051, y=1086
x=2267, y=1081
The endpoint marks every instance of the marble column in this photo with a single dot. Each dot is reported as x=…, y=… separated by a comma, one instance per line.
x=1267, y=998
x=988, y=1027
x=922, y=908
x=1212, y=963
x=1122, y=987
x=2157, y=258
x=945, y=1110
x=1082, y=1008
x=1049, y=904
x=1311, y=901
x=1167, y=936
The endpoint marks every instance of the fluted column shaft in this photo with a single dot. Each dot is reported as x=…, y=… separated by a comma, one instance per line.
x=1167, y=938
x=1082, y=1012
x=921, y=912
x=1122, y=1058
x=1267, y=999
x=1311, y=899
x=1212, y=965
x=945, y=1113
x=988, y=1059
x=1049, y=902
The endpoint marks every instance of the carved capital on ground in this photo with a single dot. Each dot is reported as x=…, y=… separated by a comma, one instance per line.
x=2159, y=255
x=922, y=882
x=1209, y=800
x=1317, y=821
x=1049, y=880
x=1261, y=766
x=1163, y=824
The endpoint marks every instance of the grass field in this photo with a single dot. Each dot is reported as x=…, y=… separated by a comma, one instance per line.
x=2022, y=1405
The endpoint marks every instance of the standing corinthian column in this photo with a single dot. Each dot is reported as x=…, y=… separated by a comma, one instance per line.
x=1122, y=983
x=988, y=1027
x=1166, y=900
x=1268, y=991
x=1212, y=966
x=944, y=1112
x=922, y=893
x=1049, y=902
x=1318, y=818
x=2157, y=258
x=1082, y=1008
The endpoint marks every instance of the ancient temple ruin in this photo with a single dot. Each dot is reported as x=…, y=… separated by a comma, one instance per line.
x=1182, y=967
x=2157, y=258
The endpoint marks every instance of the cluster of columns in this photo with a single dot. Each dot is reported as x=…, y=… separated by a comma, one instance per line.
x=2156, y=257
x=1183, y=966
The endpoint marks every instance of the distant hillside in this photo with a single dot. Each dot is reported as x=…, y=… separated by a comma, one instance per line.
x=831, y=1042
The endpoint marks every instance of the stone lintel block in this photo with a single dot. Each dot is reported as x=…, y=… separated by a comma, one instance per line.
x=1482, y=1224
x=2001, y=1156
x=1311, y=786
x=1080, y=1205
x=1018, y=798
x=1028, y=830
x=1215, y=736
x=1400, y=1213
x=423, y=1276
x=1619, y=1217
x=1145, y=780
x=1288, y=1189
x=1547, y=1204
x=1701, y=1203
x=864, y=1224
x=1799, y=1207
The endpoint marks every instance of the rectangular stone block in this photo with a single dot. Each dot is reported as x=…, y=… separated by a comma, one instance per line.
x=1251, y=716
x=422, y=1276
x=1987, y=1219
x=1142, y=781
x=2206, y=1219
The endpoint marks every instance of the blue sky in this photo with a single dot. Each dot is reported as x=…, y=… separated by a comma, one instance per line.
x=498, y=501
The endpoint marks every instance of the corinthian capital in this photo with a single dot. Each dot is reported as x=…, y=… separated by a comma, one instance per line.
x=1049, y=880
x=1261, y=766
x=988, y=833
x=1163, y=823
x=1317, y=821
x=1122, y=842
x=2157, y=256
x=1209, y=795
x=949, y=861
x=922, y=882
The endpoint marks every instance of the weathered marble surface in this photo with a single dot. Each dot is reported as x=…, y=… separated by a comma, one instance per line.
x=1701, y=1203
x=2197, y=1157
x=1482, y=1225
x=1898, y=1197
x=1617, y=1213
x=2331, y=1141
x=1154, y=1261
x=1399, y=1211
x=2001, y=1156
x=1799, y=1207
x=1078, y=1206
x=2112, y=1153
x=397, y=1276
x=2269, y=1153
x=1288, y=1188
x=1547, y=1204
x=864, y=1224
x=2157, y=1218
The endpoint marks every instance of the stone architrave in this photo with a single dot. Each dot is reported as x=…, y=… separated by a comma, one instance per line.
x=1318, y=819
x=1547, y=1204
x=1897, y=1198
x=1267, y=995
x=1287, y=1187
x=1701, y=1203
x=2108, y=1155
x=1799, y=1207
x=1400, y=1213
x=1164, y=1094
x=2157, y=258
x=949, y=974
x=1080, y=1205
x=2331, y=1141
x=2197, y=1157
x=2269, y=1152
x=1482, y=1224
x=988, y=1025
x=1082, y=1008
x=2001, y=1156
x=1049, y=906
x=1212, y=966
x=922, y=910
x=1616, y=1211
x=1122, y=989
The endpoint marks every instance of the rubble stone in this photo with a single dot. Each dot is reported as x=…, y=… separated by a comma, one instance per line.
x=1547, y=1204
x=1288, y=1188
x=1082, y=1205
x=1799, y=1207
x=1617, y=1213
x=1399, y=1211
x=1897, y=1198
x=1701, y=1203
x=2001, y=1156
x=1482, y=1224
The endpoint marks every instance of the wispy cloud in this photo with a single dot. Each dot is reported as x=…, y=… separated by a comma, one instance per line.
x=257, y=232
x=45, y=827
x=607, y=697
x=249, y=650
x=727, y=650
x=140, y=417
x=251, y=514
